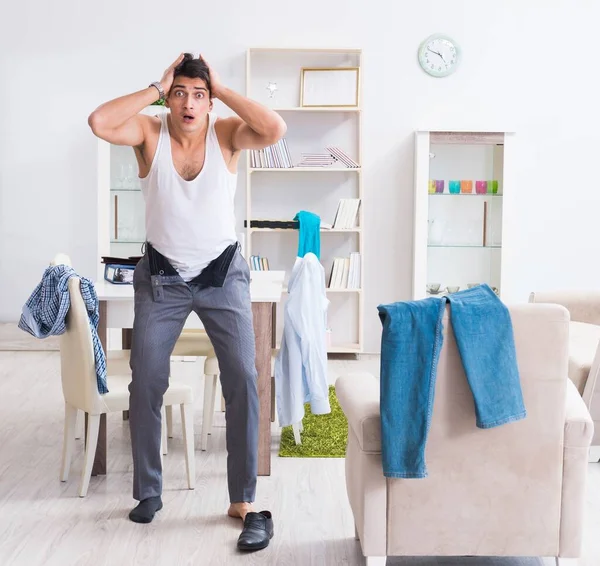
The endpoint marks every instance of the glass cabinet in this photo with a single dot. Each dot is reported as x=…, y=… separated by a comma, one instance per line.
x=459, y=211
x=121, y=211
x=126, y=201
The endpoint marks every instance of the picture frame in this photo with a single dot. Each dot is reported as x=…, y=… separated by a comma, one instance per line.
x=329, y=87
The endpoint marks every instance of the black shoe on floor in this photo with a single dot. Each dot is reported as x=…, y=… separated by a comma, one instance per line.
x=144, y=512
x=257, y=532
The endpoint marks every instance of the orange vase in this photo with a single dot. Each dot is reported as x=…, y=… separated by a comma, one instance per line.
x=466, y=186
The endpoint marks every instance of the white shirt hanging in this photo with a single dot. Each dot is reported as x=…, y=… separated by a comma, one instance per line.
x=301, y=365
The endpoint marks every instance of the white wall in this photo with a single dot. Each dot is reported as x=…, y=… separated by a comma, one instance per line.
x=59, y=60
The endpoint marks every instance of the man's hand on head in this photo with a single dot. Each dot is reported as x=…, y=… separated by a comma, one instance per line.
x=168, y=75
x=215, y=82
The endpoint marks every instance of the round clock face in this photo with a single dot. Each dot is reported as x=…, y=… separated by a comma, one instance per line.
x=439, y=55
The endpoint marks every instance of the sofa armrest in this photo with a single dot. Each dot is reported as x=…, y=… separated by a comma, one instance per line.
x=579, y=430
x=579, y=427
x=583, y=306
x=358, y=395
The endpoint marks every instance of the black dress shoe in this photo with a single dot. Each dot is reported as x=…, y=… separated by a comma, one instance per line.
x=257, y=532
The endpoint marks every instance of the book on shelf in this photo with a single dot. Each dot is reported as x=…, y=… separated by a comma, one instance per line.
x=275, y=156
x=258, y=263
x=346, y=216
x=345, y=272
x=316, y=160
x=343, y=157
x=332, y=156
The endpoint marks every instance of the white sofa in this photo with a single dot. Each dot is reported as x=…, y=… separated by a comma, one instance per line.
x=514, y=490
x=584, y=348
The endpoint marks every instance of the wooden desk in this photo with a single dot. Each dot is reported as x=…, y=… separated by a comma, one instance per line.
x=116, y=311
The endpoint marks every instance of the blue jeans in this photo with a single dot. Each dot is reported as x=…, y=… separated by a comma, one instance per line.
x=410, y=348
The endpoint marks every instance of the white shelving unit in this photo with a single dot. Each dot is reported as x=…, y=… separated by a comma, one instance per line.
x=460, y=227
x=279, y=193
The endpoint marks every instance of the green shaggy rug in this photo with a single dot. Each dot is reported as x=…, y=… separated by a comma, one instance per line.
x=324, y=436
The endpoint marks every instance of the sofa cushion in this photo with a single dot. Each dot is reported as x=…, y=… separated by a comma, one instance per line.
x=583, y=343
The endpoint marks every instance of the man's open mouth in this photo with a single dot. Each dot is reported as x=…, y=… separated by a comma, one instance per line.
x=188, y=118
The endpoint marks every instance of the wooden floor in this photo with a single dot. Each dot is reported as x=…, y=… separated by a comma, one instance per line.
x=43, y=522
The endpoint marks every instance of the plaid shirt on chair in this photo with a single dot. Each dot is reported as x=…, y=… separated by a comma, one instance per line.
x=45, y=312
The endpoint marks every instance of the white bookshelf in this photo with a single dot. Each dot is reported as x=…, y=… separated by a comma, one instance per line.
x=274, y=193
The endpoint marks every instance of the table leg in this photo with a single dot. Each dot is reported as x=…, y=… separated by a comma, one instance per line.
x=263, y=316
x=99, y=467
x=126, y=336
x=273, y=347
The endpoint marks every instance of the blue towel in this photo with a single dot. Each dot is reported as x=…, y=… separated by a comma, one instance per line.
x=309, y=238
x=410, y=348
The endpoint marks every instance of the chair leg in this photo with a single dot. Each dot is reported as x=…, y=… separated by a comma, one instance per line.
x=79, y=424
x=169, y=421
x=187, y=426
x=163, y=431
x=376, y=560
x=207, y=410
x=71, y=414
x=272, y=399
x=211, y=415
x=222, y=399
x=93, y=429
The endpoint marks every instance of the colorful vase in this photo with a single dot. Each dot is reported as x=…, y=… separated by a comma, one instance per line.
x=466, y=187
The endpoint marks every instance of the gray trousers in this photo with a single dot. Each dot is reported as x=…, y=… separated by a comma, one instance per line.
x=162, y=305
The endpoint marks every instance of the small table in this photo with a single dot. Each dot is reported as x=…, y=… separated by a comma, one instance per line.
x=117, y=310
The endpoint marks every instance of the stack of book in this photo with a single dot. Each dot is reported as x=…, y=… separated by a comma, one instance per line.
x=342, y=157
x=332, y=156
x=258, y=263
x=346, y=216
x=345, y=272
x=316, y=160
x=275, y=156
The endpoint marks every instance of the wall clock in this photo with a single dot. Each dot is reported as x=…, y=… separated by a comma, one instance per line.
x=439, y=55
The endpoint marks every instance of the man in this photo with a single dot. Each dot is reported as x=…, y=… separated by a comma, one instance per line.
x=187, y=162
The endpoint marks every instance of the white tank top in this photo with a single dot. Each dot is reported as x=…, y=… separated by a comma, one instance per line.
x=189, y=222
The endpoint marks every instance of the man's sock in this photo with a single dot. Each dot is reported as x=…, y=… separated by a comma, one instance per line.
x=144, y=512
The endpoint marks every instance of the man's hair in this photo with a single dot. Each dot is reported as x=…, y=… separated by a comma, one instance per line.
x=193, y=69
